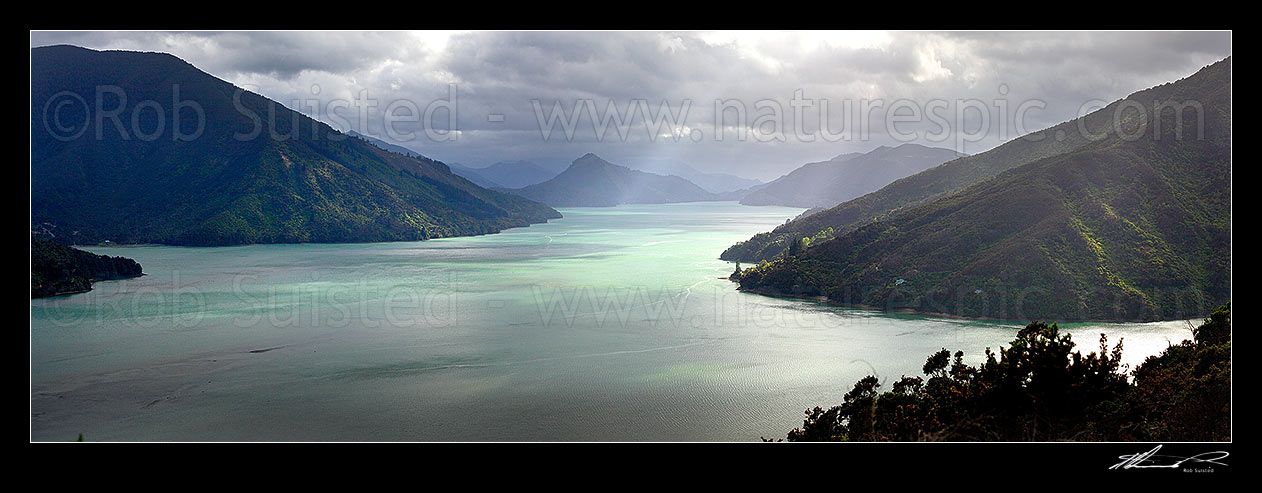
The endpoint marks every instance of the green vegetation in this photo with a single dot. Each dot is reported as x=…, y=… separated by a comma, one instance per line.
x=58, y=269
x=1040, y=389
x=1123, y=228
x=255, y=172
x=954, y=176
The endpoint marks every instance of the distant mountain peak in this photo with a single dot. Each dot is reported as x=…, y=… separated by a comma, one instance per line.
x=828, y=183
x=590, y=159
x=594, y=182
x=720, y=183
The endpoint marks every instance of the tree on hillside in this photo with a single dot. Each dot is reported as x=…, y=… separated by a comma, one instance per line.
x=1041, y=389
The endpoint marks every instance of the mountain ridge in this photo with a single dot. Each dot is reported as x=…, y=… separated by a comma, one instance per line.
x=593, y=182
x=718, y=183
x=517, y=174
x=930, y=184
x=244, y=177
x=1117, y=229
x=847, y=176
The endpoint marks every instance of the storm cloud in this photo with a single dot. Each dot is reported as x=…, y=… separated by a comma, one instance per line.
x=488, y=94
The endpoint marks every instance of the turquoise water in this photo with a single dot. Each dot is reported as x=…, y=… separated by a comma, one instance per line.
x=610, y=324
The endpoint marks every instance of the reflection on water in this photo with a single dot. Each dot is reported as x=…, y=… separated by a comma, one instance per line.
x=610, y=324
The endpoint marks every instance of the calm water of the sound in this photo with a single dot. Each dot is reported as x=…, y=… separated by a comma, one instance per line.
x=610, y=324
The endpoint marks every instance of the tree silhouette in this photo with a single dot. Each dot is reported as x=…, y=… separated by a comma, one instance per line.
x=1041, y=389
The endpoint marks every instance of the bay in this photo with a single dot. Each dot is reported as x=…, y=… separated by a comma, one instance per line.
x=611, y=324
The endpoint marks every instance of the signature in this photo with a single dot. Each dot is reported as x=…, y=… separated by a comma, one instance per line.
x=1151, y=460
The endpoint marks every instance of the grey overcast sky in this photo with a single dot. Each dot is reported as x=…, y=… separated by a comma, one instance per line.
x=930, y=88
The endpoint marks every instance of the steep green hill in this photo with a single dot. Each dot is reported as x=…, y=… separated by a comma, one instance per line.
x=939, y=181
x=256, y=172
x=58, y=269
x=1132, y=226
